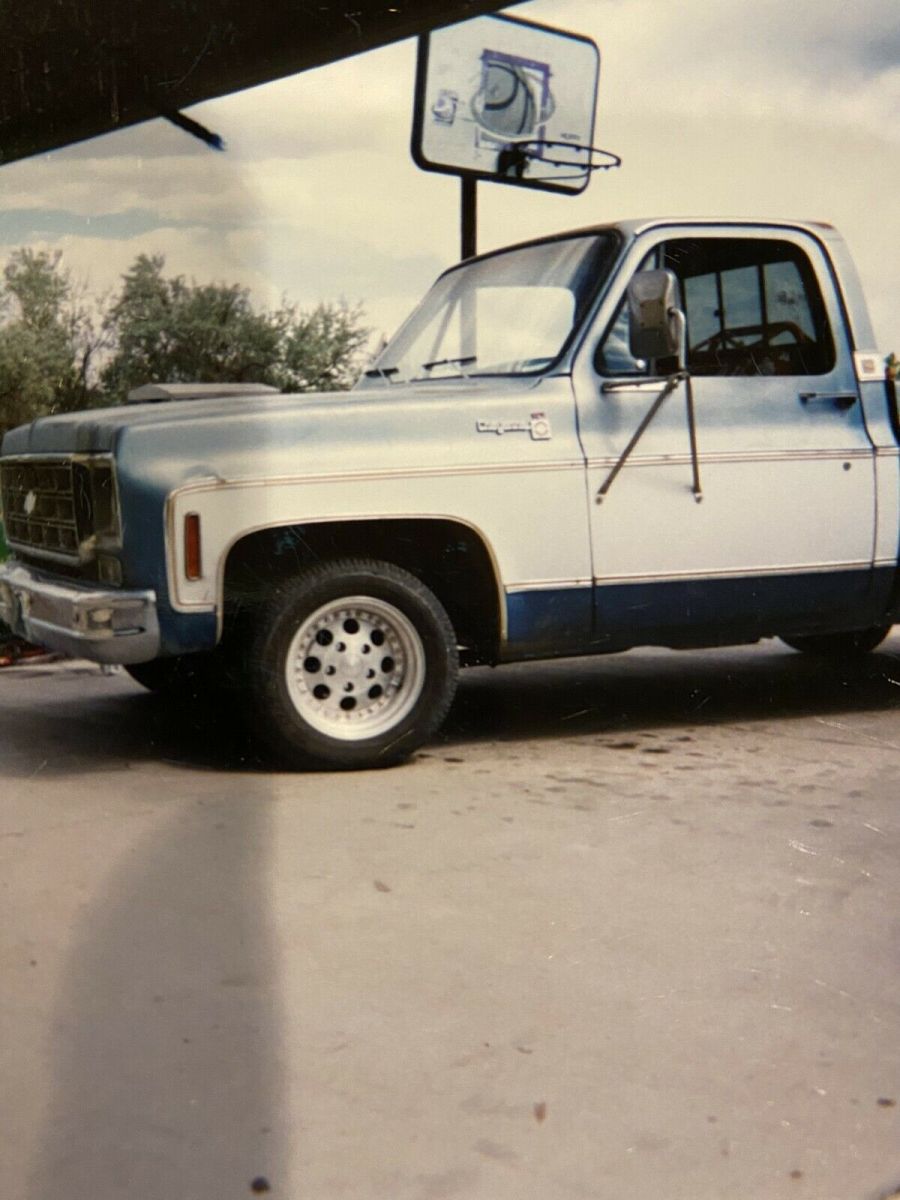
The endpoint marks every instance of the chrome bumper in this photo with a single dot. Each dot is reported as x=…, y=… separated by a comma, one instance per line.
x=85, y=622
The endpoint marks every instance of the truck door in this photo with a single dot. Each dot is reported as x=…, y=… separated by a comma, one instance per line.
x=783, y=535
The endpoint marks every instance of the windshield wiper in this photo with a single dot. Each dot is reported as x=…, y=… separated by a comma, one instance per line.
x=449, y=362
x=464, y=361
x=381, y=373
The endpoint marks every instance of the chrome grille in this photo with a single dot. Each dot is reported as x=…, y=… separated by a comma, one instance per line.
x=39, y=506
x=64, y=509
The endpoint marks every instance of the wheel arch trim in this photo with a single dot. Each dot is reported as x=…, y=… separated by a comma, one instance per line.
x=349, y=518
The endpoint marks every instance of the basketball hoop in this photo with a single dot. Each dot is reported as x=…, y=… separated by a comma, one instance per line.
x=515, y=158
x=507, y=101
x=494, y=83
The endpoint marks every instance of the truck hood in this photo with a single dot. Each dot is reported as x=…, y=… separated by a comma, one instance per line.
x=224, y=436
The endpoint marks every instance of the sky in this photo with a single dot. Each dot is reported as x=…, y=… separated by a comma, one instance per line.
x=717, y=107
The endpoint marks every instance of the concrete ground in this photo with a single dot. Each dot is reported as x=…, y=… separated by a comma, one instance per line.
x=630, y=928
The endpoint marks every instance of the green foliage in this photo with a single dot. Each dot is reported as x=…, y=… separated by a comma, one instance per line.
x=168, y=330
x=320, y=349
x=59, y=352
x=47, y=340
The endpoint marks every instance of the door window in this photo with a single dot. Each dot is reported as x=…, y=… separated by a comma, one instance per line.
x=753, y=307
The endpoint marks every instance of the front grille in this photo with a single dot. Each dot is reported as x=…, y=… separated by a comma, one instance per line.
x=57, y=508
x=39, y=506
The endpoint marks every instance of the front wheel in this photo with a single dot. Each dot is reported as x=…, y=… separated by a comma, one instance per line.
x=353, y=664
x=839, y=645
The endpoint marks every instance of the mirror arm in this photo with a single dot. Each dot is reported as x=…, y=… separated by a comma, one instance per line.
x=692, y=436
x=657, y=328
x=681, y=326
x=670, y=385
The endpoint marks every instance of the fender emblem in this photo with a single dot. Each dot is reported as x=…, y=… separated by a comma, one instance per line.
x=538, y=426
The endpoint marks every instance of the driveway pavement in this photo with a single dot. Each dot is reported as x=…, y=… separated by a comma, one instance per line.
x=630, y=928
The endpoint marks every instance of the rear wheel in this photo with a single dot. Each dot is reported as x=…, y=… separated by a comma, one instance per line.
x=353, y=664
x=840, y=645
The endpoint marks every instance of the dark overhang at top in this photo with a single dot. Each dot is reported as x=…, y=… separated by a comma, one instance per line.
x=74, y=69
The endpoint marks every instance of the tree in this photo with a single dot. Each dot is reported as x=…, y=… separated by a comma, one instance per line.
x=168, y=330
x=320, y=349
x=59, y=351
x=48, y=340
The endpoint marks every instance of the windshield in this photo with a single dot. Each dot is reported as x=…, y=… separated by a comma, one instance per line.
x=508, y=314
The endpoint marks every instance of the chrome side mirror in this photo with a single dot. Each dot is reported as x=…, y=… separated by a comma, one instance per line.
x=656, y=325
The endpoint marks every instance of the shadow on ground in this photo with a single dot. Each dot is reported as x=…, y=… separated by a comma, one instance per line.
x=164, y=1053
x=651, y=688
x=109, y=722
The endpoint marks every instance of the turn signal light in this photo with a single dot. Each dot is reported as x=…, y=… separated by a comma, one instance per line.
x=193, y=562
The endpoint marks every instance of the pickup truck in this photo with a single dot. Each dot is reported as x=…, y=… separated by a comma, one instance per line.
x=660, y=432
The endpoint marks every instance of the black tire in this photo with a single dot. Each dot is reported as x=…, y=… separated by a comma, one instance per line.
x=852, y=644
x=183, y=677
x=351, y=665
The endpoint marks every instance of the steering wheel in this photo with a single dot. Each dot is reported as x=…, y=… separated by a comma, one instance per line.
x=727, y=339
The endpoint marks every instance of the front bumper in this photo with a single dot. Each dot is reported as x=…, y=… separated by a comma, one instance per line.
x=106, y=626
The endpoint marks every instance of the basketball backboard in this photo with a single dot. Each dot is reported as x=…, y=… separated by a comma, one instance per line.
x=507, y=100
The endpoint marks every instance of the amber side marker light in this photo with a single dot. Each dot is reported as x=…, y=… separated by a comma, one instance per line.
x=193, y=563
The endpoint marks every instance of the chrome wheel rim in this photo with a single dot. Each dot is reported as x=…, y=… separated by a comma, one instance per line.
x=355, y=668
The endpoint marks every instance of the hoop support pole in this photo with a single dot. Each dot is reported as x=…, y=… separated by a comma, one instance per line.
x=468, y=216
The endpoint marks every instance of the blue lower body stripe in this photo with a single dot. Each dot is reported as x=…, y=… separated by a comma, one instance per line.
x=693, y=612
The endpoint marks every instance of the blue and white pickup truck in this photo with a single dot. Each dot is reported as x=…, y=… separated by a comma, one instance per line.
x=662, y=432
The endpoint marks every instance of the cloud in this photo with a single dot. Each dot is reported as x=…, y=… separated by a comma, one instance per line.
x=823, y=61
x=20, y=225
x=177, y=188
x=718, y=109
x=151, y=139
x=353, y=223
x=194, y=252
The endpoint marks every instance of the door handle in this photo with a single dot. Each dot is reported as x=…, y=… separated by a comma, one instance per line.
x=839, y=400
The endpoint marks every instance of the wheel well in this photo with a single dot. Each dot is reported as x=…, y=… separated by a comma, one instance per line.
x=449, y=558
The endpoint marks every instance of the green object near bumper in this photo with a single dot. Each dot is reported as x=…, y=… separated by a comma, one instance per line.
x=4, y=632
